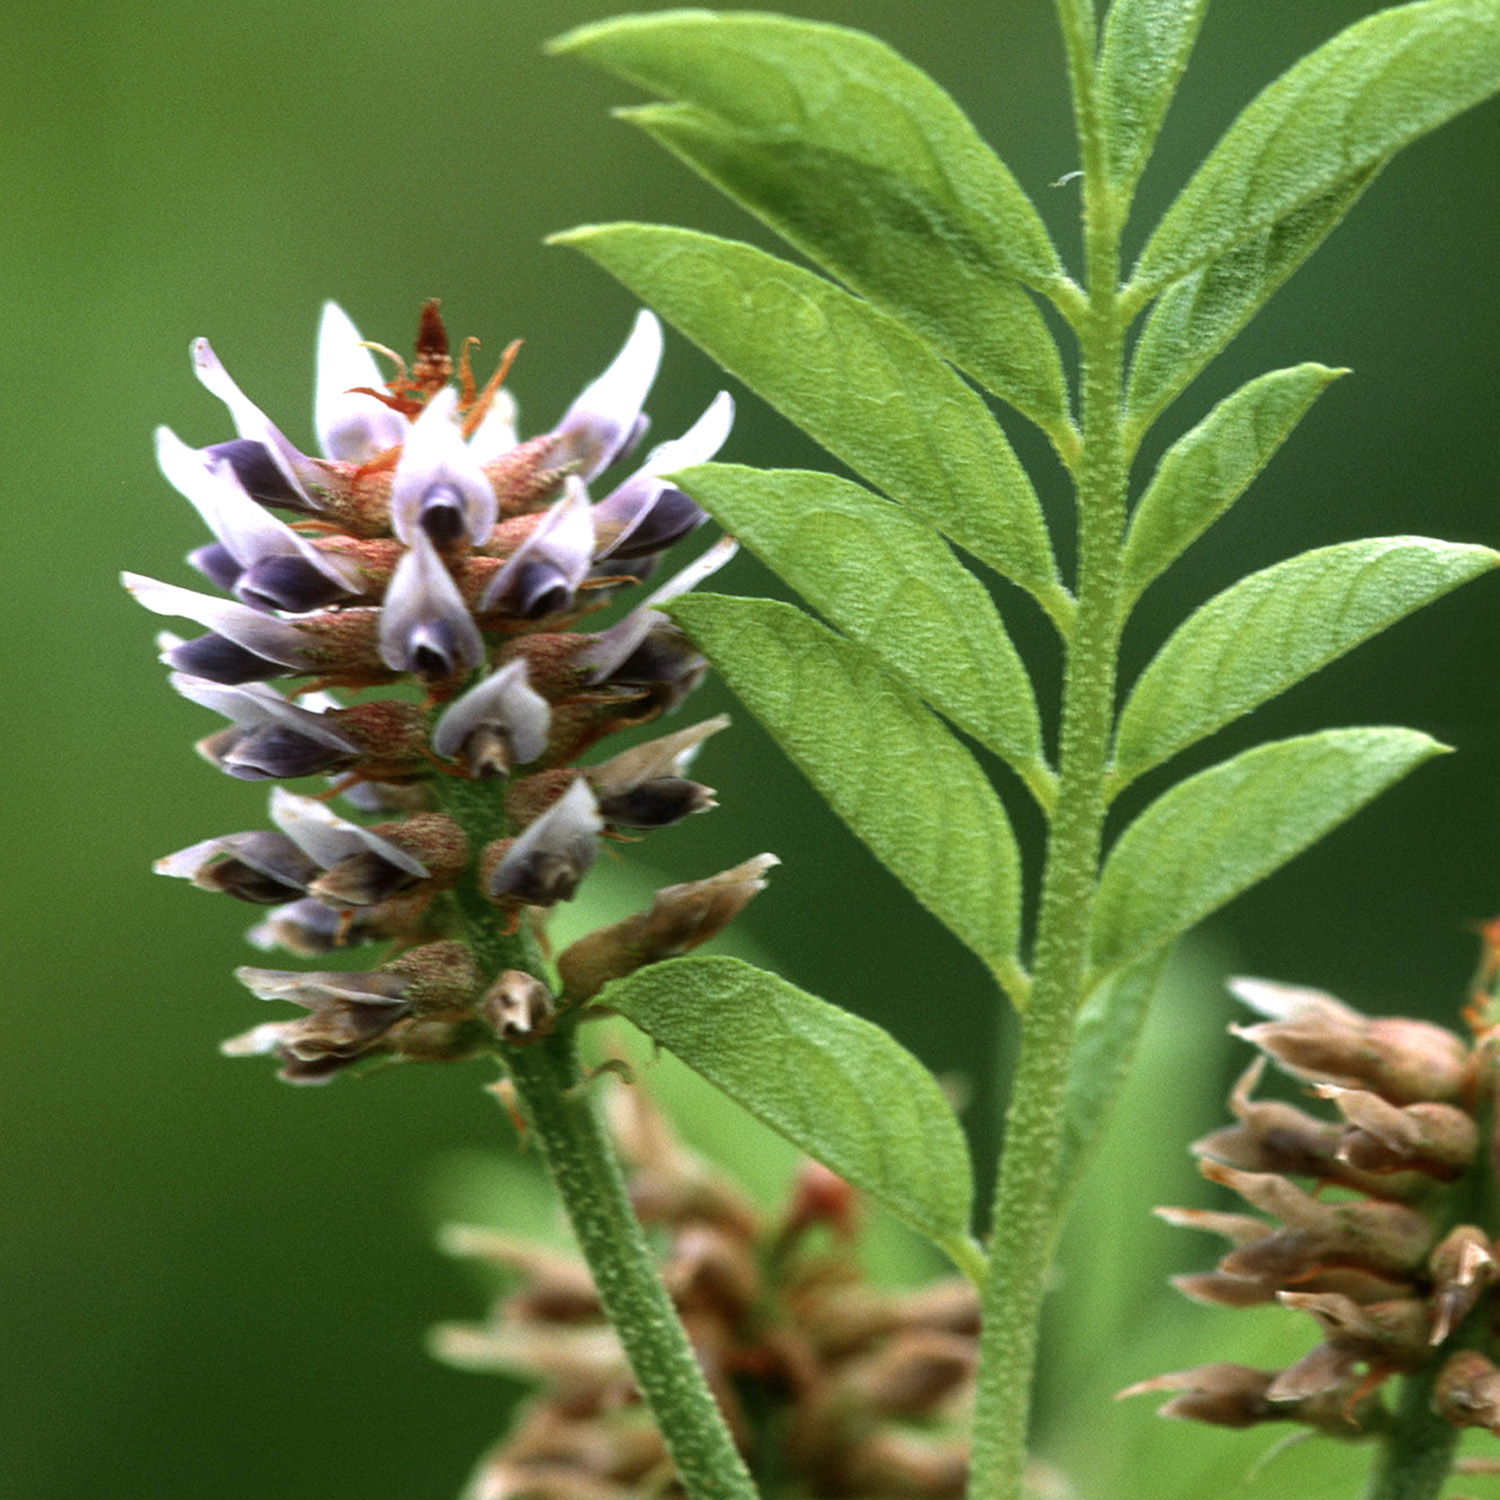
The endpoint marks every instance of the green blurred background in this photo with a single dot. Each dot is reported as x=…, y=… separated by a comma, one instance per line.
x=215, y=1285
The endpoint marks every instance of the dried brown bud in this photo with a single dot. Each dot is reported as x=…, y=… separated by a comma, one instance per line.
x=1437, y=1139
x=518, y=1007
x=681, y=917
x=1463, y=1266
x=1467, y=1392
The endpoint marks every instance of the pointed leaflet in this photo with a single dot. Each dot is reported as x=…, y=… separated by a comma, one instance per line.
x=1203, y=473
x=1197, y=316
x=883, y=762
x=1276, y=627
x=1220, y=832
x=1321, y=126
x=866, y=389
x=1146, y=46
x=866, y=166
x=835, y=1085
x=882, y=576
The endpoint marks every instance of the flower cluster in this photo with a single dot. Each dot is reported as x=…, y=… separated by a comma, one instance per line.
x=1375, y=1225
x=836, y=1386
x=429, y=547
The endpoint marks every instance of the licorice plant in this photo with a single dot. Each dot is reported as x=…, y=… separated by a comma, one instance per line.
x=431, y=547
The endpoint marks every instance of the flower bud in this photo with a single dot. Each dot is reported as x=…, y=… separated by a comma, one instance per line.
x=1437, y=1139
x=1467, y=1392
x=547, y=861
x=681, y=917
x=1463, y=1267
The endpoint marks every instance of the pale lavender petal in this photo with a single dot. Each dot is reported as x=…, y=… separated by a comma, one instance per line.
x=249, y=532
x=253, y=706
x=647, y=504
x=546, y=863
x=264, y=635
x=312, y=988
x=438, y=487
x=351, y=427
x=602, y=420
x=327, y=838
x=496, y=433
x=541, y=576
x=251, y=422
x=425, y=626
x=505, y=700
x=613, y=646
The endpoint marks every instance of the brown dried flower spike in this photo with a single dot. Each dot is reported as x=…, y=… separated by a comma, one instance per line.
x=1376, y=1225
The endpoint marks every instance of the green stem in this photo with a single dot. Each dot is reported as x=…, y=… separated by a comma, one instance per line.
x=1416, y=1456
x=583, y=1165
x=587, y=1174
x=1027, y=1211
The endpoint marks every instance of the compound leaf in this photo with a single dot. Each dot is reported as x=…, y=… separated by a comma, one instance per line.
x=837, y=1086
x=884, y=763
x=1276, y=627
x=887, y=579
x=1220, y=832
x=869, y=391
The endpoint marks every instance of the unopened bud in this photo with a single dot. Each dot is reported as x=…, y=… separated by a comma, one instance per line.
x=1467, y=1392
x=1438, y=1139
x=1462, y=1267
x=681, y=917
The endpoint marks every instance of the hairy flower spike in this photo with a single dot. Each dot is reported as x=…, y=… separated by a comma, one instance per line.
x=424, y=591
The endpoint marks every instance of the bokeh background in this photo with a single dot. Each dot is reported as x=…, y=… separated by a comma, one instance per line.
x=215, y=1285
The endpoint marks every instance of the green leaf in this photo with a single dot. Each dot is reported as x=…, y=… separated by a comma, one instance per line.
x=1220, y=832
x=1104, y=1045
x=1324, y=124
x=837, y=1086
x=1276, y=627
x=878, y=574
x=866, y=166
x=870, y=392
x=1206, y=471
x=881, y=760
x=1197, y=316
x=1146, y=46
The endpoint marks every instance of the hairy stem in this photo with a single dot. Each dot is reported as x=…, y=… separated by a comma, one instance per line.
x=1416, y=1456
x=1027, y=1212
x=586, y=1171
x=587, y=1174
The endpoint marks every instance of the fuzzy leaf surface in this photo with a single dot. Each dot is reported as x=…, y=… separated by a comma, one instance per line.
x=1204, y=472
x=883, y=577
x=1220, y=832
x=1105, y=1039
x=852, y=377
x=1341, y=111
x=1196, y=317
x=835, y=1085
x=885, y=764
x=865, y=165
x=1276, y=627
x=1146, y=46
